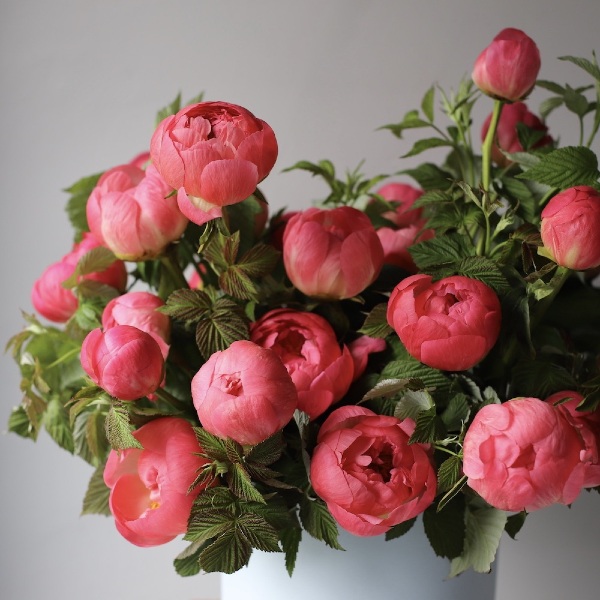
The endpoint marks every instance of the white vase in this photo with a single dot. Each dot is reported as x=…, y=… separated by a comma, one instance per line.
x=369, y=569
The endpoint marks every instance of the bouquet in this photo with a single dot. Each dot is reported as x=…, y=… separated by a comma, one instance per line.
x=415, y=346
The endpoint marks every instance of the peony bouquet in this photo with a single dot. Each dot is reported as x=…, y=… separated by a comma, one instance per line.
x=421, y=346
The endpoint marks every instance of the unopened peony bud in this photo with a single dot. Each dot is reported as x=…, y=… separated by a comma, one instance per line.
x=508, y=68
x=570, y=228
x=332, y=254
x=124, y=361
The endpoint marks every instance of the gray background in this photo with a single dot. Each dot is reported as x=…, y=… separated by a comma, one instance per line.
x=80, y=84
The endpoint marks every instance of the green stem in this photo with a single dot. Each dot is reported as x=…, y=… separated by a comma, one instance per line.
x=486, y=150
x=172, y=277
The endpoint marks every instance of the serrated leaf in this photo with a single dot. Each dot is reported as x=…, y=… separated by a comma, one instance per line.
x=290, y=539
x=584, y=64
x=318, y=522
x=485, y=270
x=19, y=423
x=449, y=473
x=442, y=250
x=225, y=324
x=445, y=529
x=411, y=120
x=268, y=451
x=258, y=532
x=429, y=427
x=387, y=388
x=95, y=501
x=410, y=368
x=412, y=403
x=376, y=324
x=118, y=428
x=430, y=177
x=484, y=527
x=209, y=523
x=241, y=484
x=565, y=167
x=187, y=562
x=213, y=447
x=456, y=413
x=227, y=554
x=188, y=306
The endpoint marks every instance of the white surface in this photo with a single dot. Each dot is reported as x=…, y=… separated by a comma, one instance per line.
x=81, y=81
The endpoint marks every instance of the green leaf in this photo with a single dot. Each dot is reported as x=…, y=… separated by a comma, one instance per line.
x=118, y=428
x=290, y=538
x=484, y=527
x=429, y=427
x=399, y=530
x=565, y=167
x=258, y=532
x=267, y=452
x=77, y=203
x=241, y=484
x=209, y=523
x=56, y=421
x=425, y=144
x=429, y=176
x=449, y=473
x=514, y=524
x=187, y=562
x=584, y=64
x=376, y=324
x=95, y=501
x=445, y=529
x=411, y=120
x=410, y=368
x=19, y=423
x=318, y=522
x=485, y=270
x=456, y=413
x=188, y=306
x=412, y=403
x=213, y=447
x=427, y=103
x=227, y=554
x=451, y=248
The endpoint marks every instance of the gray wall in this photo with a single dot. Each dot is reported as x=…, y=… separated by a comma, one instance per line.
x=81, y=82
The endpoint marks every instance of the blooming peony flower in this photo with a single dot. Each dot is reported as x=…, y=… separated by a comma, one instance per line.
x=507, y=137
x=368, y=474
x=57, y=303
x=408, y=225
x=450, y=324
x=508, y=67
x=306, y=344
x=130, y=212
x=138, y=309
x=587, y=423
x=123, y=360
x=332, y=254
x=570, y=228
x=149, y=496
x=523, y=454
x=244, y=393
x=214, y=154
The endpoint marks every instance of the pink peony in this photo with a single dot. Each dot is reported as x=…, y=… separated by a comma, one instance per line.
x=57, y=303
x=123, y=360
x=508, y=68
x=306, y=344
x=244, y=393
x=139, y=309
x=570, y=228
x=130, y=212
x=450, y=324
x=214, y=154
x=507, y=138
x=361, y=348
x=587, y=423
x=523, y=455
x=368, y=474
x=332, y=254
x=149, y=496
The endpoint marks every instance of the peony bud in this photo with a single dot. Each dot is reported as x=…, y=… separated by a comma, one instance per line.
x=523, y=455
x=507, y=137
x=214, y=154
x=149, y=487
x=332, y=254
x=570, y=228
x=368, y=474
x=124, y=361
x=139, y=309
x=450, y=324
x=130, y=212
x=244, y=393
x=508, y=68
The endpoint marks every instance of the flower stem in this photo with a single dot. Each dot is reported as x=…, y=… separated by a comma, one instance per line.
x=486, y=150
